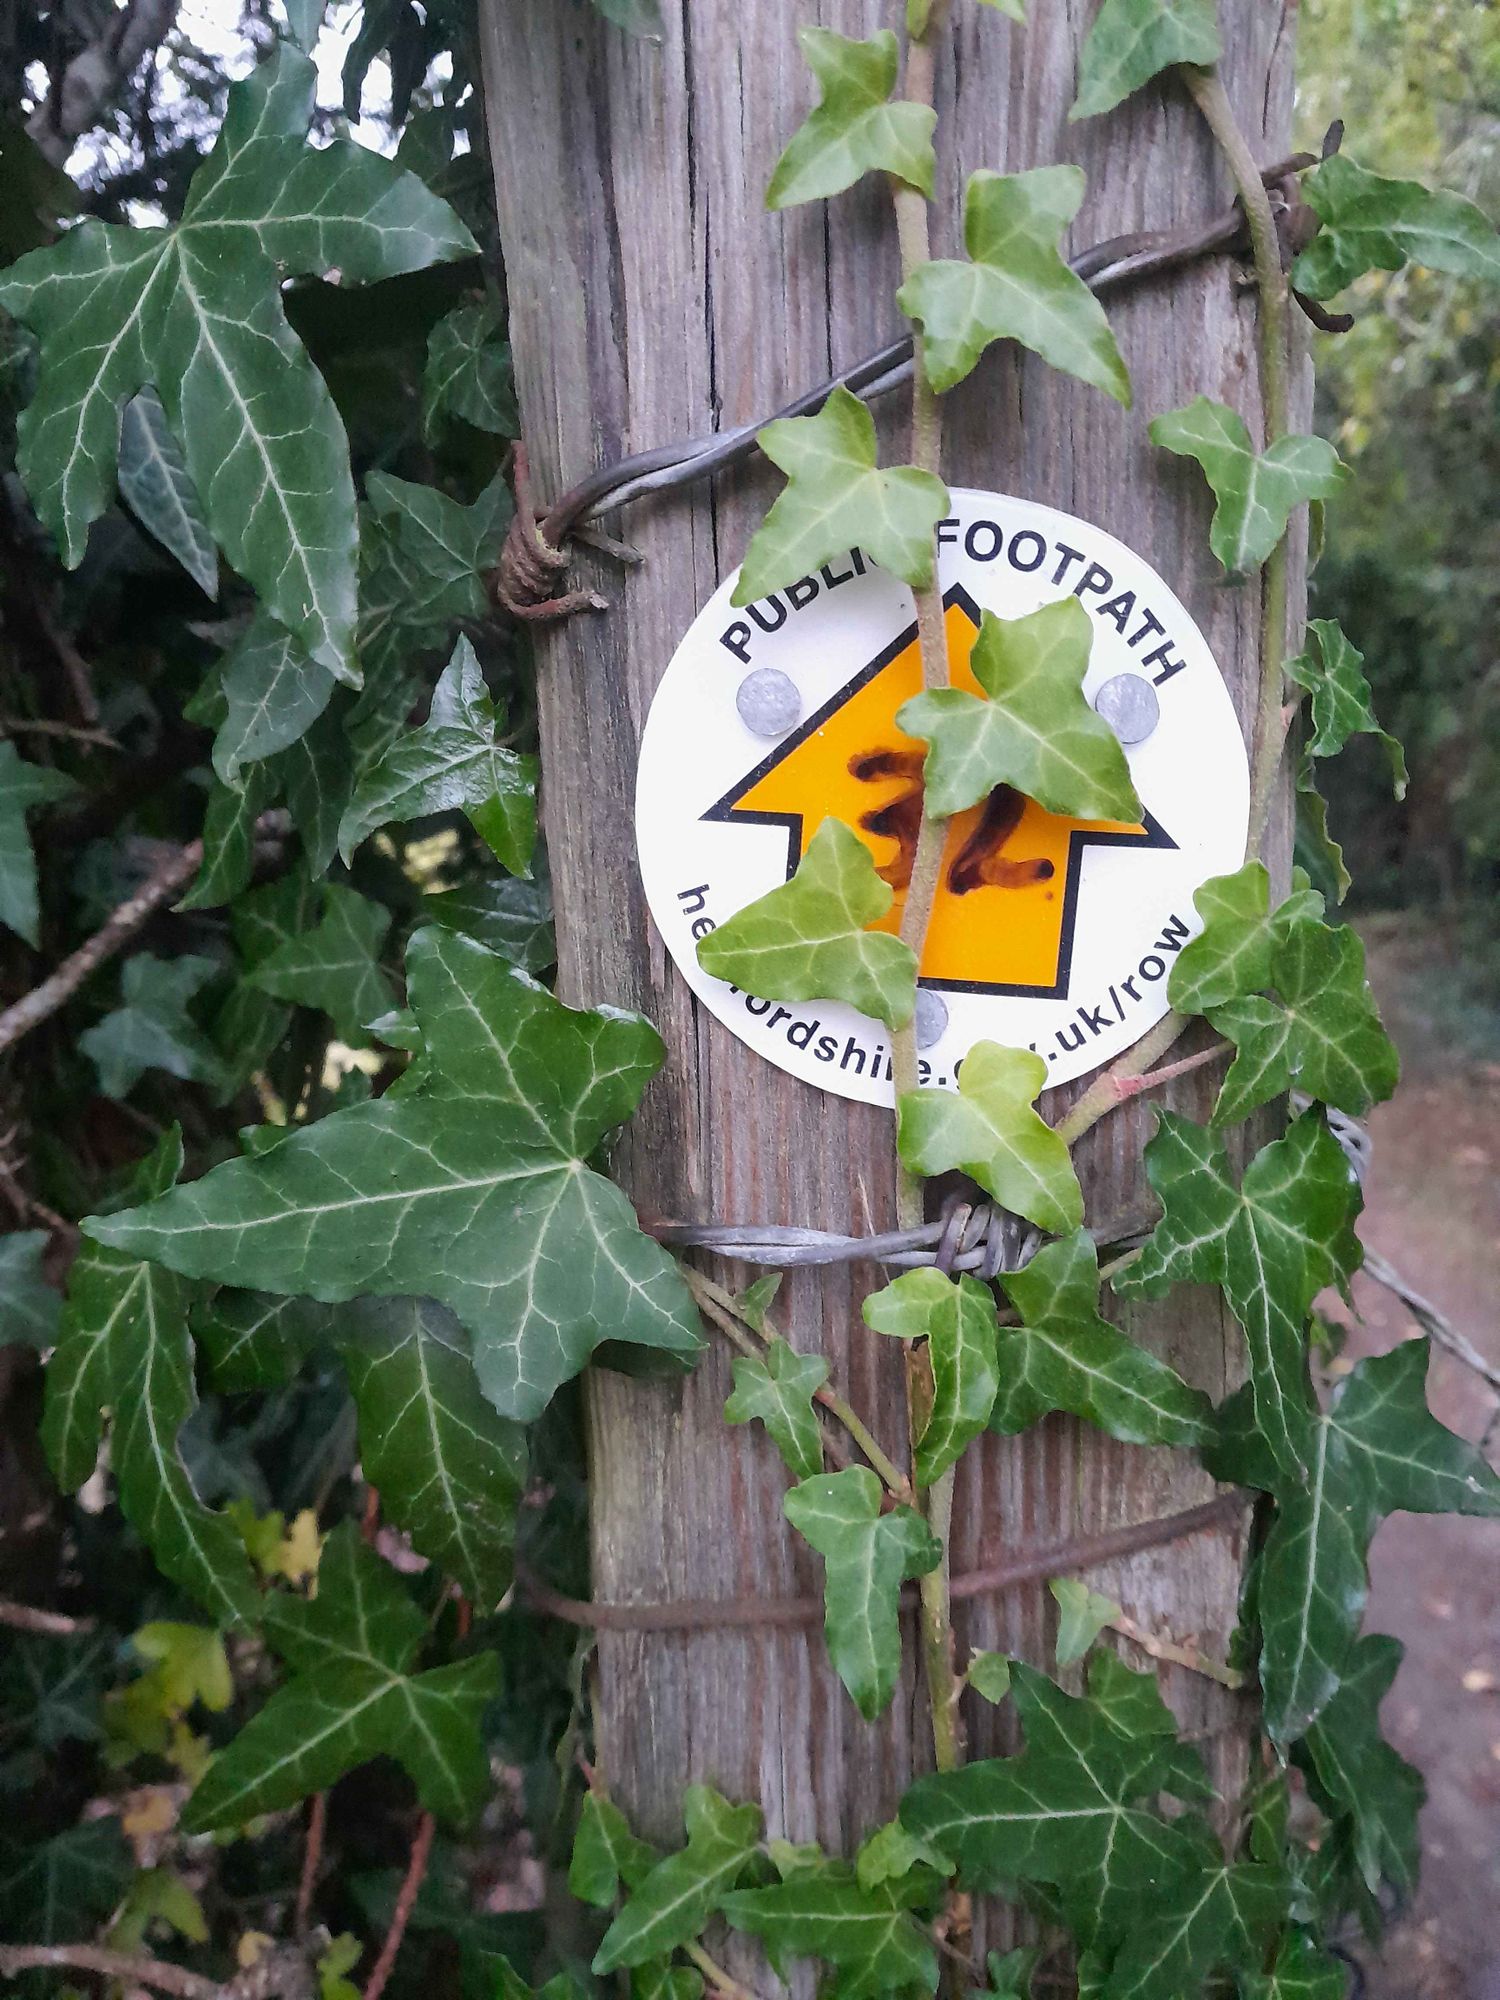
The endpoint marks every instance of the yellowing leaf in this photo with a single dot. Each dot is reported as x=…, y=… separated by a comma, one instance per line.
x=192, y=1665
x=837, y=498
x=1256, y=492
x=1033, y=731
x=809, y=939
x=856, y=128
x=1015, y=285
x=989, y=1130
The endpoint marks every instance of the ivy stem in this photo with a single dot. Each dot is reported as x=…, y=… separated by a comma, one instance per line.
x=716, y=1978
x=914, y=238
x=1133, y=1075
x=1207, y=87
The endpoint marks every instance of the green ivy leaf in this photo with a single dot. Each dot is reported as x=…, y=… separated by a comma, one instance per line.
x=1374, y=224
x=1314, y=838
x=890, y=1853
x=989, y=1130
x=29, y=1306
x=1132, y=41
x=1378, y=1450
x=1273, y=1243
x=1015, y=285
x=1332, y=671
x=22, y=786
x=606, y=1854
x=1256, y=493
x=867, y=1934
x=152, y=1029
x=1231, y=956
x=423, y=559
x=57, y=1890
x=453, y=762
x=196, y=310
x=335, y=966
x=352, y=1696
x=867, y=1556
x=229, y=839
x=679, y=1895
x=156, y=487
x=1355, y=1774
x=470, y=1188
x=989, y=1675
x=1303, y=1971
x=1034, y=730
x=468, y=374
x=273, y=694
x=810, y=939
x=856, y=129
x=837, y=498
x=1065, y=1356
x=637, y=17
x=956, y=1317
x=1226, y=1915
x=123, y=1341
x=1082, y=1615
x=779, y=1392
x=1321, y=1033
x=254, y=1340
x=449, y=1470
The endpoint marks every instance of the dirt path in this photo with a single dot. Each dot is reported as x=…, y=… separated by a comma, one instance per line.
x=1433, y=1209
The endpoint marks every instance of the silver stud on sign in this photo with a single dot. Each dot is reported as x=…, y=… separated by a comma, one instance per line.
x=932, y=1018
x=1130, y=707
x=768, y=702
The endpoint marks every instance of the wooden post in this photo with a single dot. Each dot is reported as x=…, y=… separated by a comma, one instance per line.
x=653, y=299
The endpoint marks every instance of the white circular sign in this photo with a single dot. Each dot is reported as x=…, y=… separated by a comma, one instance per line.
x=1048, y=933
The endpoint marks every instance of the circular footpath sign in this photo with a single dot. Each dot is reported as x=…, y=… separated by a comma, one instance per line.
x=1050, y=933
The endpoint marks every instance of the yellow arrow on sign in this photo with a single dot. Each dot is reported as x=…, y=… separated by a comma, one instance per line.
x=1008, y=893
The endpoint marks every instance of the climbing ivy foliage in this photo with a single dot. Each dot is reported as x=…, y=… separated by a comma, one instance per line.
x=314, y=1167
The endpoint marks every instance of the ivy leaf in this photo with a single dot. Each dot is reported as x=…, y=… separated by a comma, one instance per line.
x=1332, y=671
x=454, y=761
x=867, y=1934
x=1132, y=41
x=1256, y=493
x=890, y=1852
x=29, y=1306
x=422, y=559
x=1015, y=285
x=254, y=1340
x=956, y=1317
x=989, y=1675
x=989, y=1130
x=196, y=310
x=1321, y=1033
x=1355, y=1773
x=1231, y=956
x=449, y=1470
x=1226, y=1915
x=836, y=498
x=856, y=129
x=336, y=965
x=636, y=17
x=273, y=694
x=1034, y=731
x=1064, y=1356
x=1313, y=836
x=229, y=839
x=1303, y=1971
x=57, y=1890
x=156, y=487
x=679, y=1895
x=352, y=1696
x=779, y=1391
x=22, y=786
x=810, y=939
x=606, y=1854
x=1371, y=223
x=1272, y=1243
x=470, y=1188
x=1377, y=1451
x=867, y=1557
x=468, y=374
x=152, y=1029
x=508, y=915
x=123, y=1341
x=1082, y=1615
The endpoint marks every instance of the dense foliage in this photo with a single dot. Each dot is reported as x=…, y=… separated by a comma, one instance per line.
x=312, y=1218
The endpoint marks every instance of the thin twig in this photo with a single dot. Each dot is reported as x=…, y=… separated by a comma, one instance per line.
x=43, y=1001
x=1176, y=1655
x=140, y=1969
x=416, y=1869
x=27, y=1618
x=312, y=1854
x=1430, y=1319
x=21, y=725
x=1133, y=1073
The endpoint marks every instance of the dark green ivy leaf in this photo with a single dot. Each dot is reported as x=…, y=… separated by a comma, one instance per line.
x=155, y=485
x=453, y=761
x=506, y=914
x=29, y=1306
x=1065, y=1356
x=1303, y=1971
x=352, y=1696
x=779, y=1392
x=1273, y=1242
x=58, y=1890
x=470, y=1188
x=867, y=1556
x=334, y=966
x=151, y=1028
x=229, y=839
x=22, y=786
x=468, y=374
x=606, y=1854
x=1333, y=672
x=196, y=310
x=273, y=691
x=1356, y=1775
x=1371, y=223
x=866, y=1933
x=254, y=1340
x=681, y=1892
x=1231, y=956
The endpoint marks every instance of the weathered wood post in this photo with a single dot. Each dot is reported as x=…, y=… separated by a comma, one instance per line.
x=654, y=299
